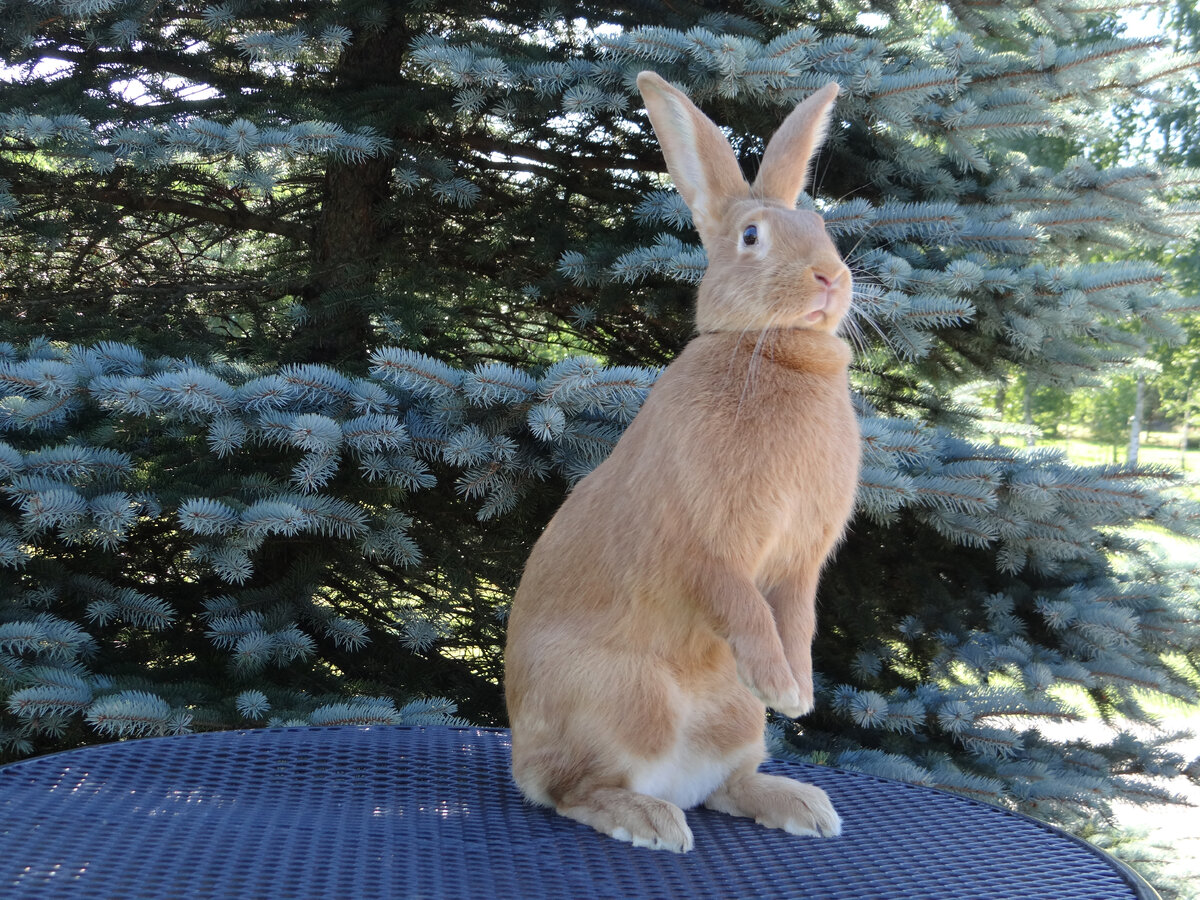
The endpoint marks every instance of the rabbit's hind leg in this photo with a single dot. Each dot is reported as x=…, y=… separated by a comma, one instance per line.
x=593, y=786
x=626, y=815
x=582, y=738
x=777, y=802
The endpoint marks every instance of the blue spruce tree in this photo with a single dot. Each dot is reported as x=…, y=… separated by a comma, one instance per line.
x=311, y=319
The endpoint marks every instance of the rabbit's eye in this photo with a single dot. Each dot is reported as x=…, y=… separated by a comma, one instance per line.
x=750, y=235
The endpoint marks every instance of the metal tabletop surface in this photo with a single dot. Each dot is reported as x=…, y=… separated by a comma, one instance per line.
x=431, y=813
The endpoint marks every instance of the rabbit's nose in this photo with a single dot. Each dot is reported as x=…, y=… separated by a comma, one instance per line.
x=824, y=286
x=827, y=278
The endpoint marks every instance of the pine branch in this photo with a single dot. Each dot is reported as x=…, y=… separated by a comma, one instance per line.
x=236, y=218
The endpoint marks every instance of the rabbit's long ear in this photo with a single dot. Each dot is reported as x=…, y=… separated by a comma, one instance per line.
x=785, y=163
x=698, y=156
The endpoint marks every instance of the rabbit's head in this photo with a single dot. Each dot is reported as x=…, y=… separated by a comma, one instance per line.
x=770, y=265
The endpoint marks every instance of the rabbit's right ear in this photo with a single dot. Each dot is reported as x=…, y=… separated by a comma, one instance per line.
x=699, y=158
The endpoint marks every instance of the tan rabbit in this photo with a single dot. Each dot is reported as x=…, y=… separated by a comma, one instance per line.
x=672, y=595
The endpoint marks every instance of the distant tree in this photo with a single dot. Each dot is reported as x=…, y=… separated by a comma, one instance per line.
x=1050, y=408
x=1171, y=136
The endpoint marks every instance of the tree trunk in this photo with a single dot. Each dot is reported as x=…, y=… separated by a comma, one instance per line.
x=1001, y=396
x=1183, y=437
x=348, y=239
x=1027, y=405
x=1135, y=422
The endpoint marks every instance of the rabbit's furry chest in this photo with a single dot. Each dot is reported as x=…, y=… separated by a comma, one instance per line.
x=756, y=450
x=757, y=476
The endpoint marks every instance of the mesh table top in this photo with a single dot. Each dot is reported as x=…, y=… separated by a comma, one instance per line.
x=394, y=812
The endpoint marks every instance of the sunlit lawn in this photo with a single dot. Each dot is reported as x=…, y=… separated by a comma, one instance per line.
x=1157, y=448
x=1176, y=826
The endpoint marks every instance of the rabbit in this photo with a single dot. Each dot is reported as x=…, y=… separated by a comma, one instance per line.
x=671, y=598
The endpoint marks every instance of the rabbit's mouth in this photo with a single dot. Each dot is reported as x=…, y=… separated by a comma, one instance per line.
x=826, y=306
x=826, y=302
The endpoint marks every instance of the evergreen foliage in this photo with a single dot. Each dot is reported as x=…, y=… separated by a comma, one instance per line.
x=312, y=319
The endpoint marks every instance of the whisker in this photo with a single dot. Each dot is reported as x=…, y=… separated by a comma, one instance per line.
x=755, y=364
x=853, y=332
x=734, y=354
x=850, y=254
x=878, y=244
x=823, y=164
x=856, y=317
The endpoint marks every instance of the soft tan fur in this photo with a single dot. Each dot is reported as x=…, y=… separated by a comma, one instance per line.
x=673, y=594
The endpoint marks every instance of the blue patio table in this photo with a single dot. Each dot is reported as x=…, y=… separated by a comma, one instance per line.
x=431, y=813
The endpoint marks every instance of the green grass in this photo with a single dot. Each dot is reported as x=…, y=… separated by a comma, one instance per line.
x=1170, y=826
x=1159, y=448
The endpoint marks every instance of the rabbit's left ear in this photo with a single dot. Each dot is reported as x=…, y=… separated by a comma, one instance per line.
x=785, y=163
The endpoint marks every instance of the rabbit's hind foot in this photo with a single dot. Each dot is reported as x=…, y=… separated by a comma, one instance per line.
x=778, y=802
x=639, y=819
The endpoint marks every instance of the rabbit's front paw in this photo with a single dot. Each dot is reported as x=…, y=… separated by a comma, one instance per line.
x=778, y=802
x=802, y=809
x=806, y=698
x=777, y=689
